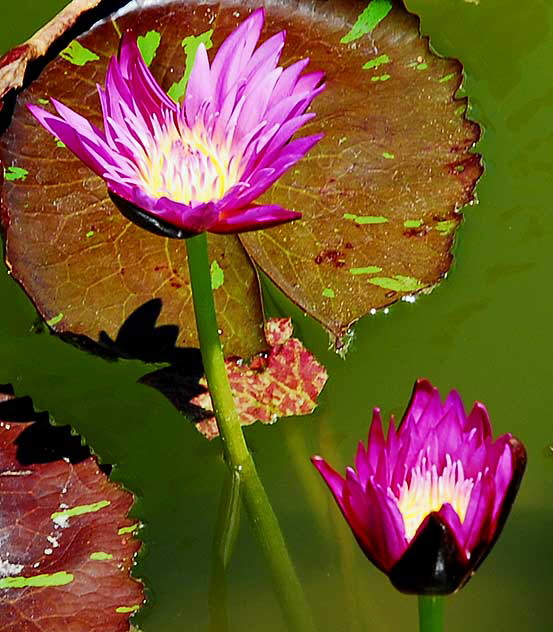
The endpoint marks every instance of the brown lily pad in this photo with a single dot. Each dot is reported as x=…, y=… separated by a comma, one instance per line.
x=380, y=194
x=66, y=544
x=283, y=382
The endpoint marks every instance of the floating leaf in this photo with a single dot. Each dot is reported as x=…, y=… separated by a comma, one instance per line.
x=394, y=150
x=64, y=563
x=284, y=382
x=391, y=153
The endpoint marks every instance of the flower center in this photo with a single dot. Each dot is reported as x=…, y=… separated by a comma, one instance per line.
x=427, y=491
x=185, y=165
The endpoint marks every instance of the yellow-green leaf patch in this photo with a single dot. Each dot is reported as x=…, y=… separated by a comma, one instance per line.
x=77, y=54
x=148, y=45
x=398, y=283
x=367, y=21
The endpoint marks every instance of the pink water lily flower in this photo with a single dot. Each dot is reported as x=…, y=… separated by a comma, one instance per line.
x=427, y=502
x=198, y=166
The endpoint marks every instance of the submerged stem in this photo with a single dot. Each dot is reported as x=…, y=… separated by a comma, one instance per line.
x=431, y=613
x=238, y=458
x=226, y=532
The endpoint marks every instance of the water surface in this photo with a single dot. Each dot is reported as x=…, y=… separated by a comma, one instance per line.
x=485, y=331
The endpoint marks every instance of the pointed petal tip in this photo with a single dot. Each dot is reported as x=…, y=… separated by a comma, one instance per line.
x=351, y=474
x=36, y=110
x=331, y=477
x=127, y=44
x=423, y=384
x=519, y=454
x=259, y=13
x=480, y=408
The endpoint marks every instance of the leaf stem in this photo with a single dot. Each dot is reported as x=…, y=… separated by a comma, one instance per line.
x=238, y=458
x=431, y=613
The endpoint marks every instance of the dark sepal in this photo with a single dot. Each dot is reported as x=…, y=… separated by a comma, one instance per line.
x=433, y=564
x=147, y=221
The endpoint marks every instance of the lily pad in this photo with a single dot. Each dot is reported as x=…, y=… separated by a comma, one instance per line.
x=66, y=543
x=393, y=169
x=283, y=382
x=396, y=151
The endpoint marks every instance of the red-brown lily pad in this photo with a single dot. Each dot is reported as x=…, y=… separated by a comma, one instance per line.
x=283, y=382
x=66, y=543
x=380, y=194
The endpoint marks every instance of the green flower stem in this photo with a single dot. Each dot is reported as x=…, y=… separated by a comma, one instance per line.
x=263, y=519
x=431, y=614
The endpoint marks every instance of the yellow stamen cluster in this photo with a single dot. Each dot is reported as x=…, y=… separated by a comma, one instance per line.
x=428, y=491
x=185, y=165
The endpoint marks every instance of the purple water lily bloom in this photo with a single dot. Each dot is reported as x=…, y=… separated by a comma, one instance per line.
x=201, y=165
x=427, y=502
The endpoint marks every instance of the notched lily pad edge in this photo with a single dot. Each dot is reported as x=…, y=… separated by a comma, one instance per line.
x=340, y=338
x=67, y=444
x=74, y=21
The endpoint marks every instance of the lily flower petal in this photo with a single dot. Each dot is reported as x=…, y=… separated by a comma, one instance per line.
x=200, y=166
x=427, y=503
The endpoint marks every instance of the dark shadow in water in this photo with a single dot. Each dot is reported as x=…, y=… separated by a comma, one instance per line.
x=41, y=442
x=140, y=338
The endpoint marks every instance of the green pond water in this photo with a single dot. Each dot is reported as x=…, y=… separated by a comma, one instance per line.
x=486, y=330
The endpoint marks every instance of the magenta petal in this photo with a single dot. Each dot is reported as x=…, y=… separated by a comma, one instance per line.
x=479, y=419
x=377, y=524
x=288, y=80
x=362, y=464
x=265, y=57
x=134, y=69
x=199, y=86
x=193, y=220
x=477, y=524
x=503, y=477
x=376, y=442
x=200, y=165
x=257, y=100
x=331, y=477
x=95, y=160
x=445, y=549
x=253, y=218
x=451, y=518
x=422, y=395
x=235, y=52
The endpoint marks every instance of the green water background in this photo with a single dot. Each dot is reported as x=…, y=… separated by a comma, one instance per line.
x=485, y=331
